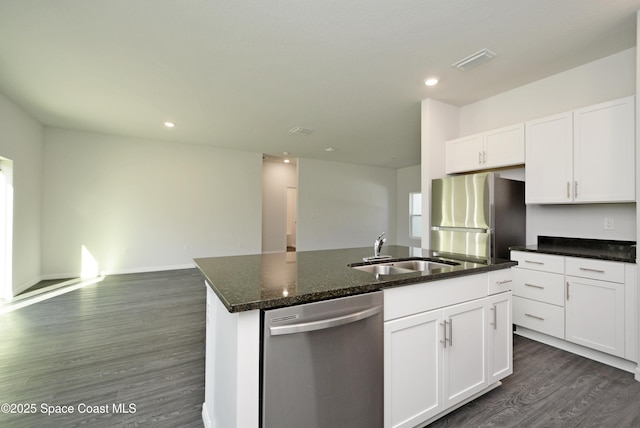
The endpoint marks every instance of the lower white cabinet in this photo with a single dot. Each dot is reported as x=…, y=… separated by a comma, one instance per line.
x=594, y=314
x=500, y=337
x=438, y=358
x=413, y=369
x=464, y=340
x=585, y=301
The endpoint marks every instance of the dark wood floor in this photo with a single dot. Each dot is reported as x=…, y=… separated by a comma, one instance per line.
x=553, y=388
x=131, y=339
x=139, y=339
x=44, y=284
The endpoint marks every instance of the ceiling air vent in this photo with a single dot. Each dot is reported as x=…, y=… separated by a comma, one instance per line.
x=473, y=60
x=299, y=130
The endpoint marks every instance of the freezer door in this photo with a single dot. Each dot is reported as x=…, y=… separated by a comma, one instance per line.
x=462, y=201
x=469, y=242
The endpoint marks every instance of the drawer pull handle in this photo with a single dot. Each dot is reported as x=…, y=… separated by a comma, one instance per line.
x=592, y=270
x=567, y=290
x=533, y=316
x=506, y=281
x=533, y=262
x=534, y=286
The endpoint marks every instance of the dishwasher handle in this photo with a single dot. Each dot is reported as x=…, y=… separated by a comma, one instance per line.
x=304, y=327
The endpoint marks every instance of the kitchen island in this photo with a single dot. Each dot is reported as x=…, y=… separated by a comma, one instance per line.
x=240, y=287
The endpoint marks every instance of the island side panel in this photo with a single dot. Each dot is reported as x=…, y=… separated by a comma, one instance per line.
x=231, y=366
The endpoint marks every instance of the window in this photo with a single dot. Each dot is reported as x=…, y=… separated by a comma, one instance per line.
x=415, y=215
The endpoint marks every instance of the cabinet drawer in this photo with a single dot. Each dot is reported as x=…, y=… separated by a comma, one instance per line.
x=500, y=280
x=542, y=317
x=595, y=269
x=541, y=286
x=538, y=261
x=412, y=299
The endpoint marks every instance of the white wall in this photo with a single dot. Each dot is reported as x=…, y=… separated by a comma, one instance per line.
x=439, y=123
x=602, y=80
x=408, y=182
x=343, y=205
x=276, y=178
x=145, y=205
x=21, y=141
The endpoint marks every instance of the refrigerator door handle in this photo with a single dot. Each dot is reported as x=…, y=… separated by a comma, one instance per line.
x=461, y=229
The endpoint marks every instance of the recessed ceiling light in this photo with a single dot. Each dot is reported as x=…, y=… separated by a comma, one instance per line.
x=432, y=81
x=287, y=161
x=169, y=124
x=329, y=149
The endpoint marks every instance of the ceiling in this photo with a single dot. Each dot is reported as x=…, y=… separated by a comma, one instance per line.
x=240, y=74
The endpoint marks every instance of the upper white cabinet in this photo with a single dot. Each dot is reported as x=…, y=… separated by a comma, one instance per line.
x=493, y=149
x=549, y=159
x=584, y=156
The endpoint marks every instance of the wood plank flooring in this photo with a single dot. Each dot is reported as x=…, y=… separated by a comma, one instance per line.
x=139, y=339
x=131, y=339
x=553, y=388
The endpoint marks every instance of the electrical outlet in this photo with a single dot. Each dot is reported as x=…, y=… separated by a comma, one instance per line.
x=609, y=223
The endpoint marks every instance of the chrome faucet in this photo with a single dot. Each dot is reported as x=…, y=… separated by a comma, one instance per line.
x=377, y=248
x=377, y=245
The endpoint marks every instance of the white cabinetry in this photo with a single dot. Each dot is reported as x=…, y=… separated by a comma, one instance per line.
x=492, y=149
x=464, y=330
x=584, y=301
x=549, y=159
x=442, y=347
x=594, y=309
x=413, y=365
x=500, y=337
x=584, y=156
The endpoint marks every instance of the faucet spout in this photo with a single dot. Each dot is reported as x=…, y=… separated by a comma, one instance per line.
x=377, y=245
x=377, y=248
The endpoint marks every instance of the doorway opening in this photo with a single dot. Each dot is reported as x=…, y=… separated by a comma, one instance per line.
x=292, y=218
x=6, y=228
x=279, y=204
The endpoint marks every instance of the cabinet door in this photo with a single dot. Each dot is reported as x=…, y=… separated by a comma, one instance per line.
x=594, y=314
x=465, y=356
x=464, y=154
x=504, y=147
x=500, y=337
x=549, y=160
x=412, y=369
x=604, y=152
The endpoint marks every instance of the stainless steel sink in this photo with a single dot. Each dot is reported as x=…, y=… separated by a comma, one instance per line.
x=396, y=267
x=419, y=265
x=383, y=269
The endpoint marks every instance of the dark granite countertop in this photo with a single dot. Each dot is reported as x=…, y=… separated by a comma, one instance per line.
x=601, y=249
x=272, y=280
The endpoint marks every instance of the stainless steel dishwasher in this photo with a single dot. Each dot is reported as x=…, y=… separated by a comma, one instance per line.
x=322, y=364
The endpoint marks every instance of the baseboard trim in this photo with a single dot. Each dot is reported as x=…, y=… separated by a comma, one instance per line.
x=592, y=354
x=206, y=420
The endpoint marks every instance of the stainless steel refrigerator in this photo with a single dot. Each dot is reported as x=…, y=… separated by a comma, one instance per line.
x=477, y=215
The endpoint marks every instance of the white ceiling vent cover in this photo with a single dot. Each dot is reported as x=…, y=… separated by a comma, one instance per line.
x=473, y=60
x=299, y=130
